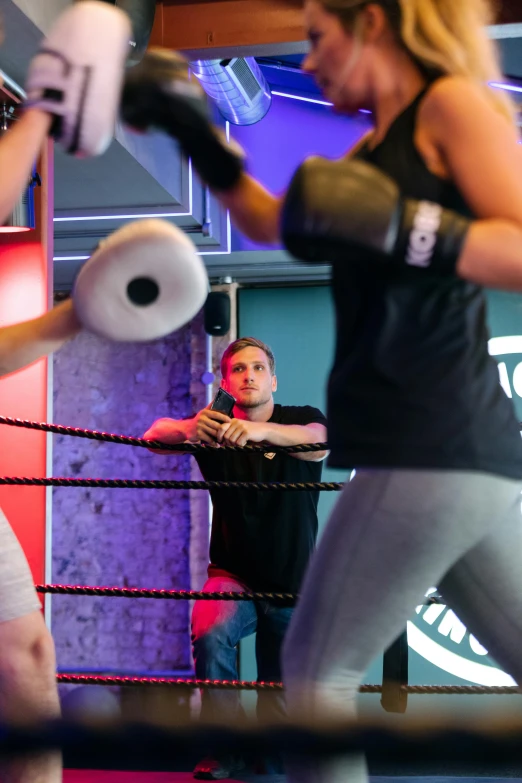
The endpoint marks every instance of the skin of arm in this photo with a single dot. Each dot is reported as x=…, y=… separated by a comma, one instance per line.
x=254, y=210
x=170, y=431
x=199, y=428
x=479, y=149
x=240, y=431
x=22, y=344
x=216, y=428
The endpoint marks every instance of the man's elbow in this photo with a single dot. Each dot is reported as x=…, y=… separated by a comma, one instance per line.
x=320, y=435
x=318, y=456
x=154, y=436
x=156, y=430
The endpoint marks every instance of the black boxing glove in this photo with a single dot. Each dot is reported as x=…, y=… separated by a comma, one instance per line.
x=333, y=206
x=158, y=93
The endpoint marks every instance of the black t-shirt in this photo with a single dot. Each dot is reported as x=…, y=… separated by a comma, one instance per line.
x=413, y=385
x=266, y=537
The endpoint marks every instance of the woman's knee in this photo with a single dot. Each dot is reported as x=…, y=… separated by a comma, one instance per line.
x=314, y=684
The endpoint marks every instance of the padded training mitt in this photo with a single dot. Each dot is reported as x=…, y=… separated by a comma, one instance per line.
x=143, y=282
x=77, y=75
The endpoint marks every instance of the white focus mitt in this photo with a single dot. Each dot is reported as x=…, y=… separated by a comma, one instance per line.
x=77, y=75
x=143, y=282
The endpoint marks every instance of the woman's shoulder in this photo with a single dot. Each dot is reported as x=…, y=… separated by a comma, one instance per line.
x=450, y=95
x=453, y=109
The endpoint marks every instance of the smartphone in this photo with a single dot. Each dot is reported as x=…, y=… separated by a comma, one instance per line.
x=223, y=402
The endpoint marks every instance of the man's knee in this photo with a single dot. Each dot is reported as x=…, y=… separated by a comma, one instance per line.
x=214, y=624
x=211, y=641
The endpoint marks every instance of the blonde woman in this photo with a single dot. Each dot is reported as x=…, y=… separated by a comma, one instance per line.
x=415, y=220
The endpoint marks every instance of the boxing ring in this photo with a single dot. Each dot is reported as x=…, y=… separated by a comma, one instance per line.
x=157, y=742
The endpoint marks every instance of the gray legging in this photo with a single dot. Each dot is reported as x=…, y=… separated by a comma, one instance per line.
x=391, y=536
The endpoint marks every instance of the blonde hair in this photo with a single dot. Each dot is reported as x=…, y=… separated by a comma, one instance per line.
x=444, y=37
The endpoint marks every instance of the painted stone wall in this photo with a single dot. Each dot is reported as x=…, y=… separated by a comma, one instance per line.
x=130, y=537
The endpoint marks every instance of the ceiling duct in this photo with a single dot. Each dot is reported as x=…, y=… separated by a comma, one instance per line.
x=237, y=86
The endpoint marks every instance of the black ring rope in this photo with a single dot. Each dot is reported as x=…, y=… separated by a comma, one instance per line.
x=176, y=595
x=459, y=690
x=172, y=682
x=177, y=682
x=180, y=595
x=190, y=448
x=60, y=481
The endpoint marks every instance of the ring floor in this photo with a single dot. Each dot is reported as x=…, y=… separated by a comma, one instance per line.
x=100, y=776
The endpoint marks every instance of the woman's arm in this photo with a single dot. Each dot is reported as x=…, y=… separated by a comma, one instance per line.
x=24, y=343
x=254, y=210
x=19, y=149
x=480, y=150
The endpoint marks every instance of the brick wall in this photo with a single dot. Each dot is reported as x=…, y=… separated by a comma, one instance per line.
x=142, y=538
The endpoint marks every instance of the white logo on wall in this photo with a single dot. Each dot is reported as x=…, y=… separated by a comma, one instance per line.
x=437, y=634
x=439, y=637
x=502, y=346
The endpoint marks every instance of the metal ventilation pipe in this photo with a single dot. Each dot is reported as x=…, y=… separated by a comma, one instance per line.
x=237, y=86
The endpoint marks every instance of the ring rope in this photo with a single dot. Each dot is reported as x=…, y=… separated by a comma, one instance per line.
x=455, y=690
x=410, y=742
x=125, y=440
x=177, y=682
x=60, y=481
x=173, y=682
x=176, y=595
x=181, y=595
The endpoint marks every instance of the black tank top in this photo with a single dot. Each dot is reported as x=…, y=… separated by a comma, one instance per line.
x=413, y=384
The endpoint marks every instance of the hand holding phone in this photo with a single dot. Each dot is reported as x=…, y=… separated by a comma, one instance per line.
x=223, y=402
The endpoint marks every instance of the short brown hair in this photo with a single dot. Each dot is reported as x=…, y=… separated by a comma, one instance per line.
x=246, y=342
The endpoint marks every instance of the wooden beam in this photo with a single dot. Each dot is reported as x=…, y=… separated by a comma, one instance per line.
x=220, y=27
x=218, y=24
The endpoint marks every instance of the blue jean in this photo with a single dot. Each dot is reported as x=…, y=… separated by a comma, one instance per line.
x=217, y=627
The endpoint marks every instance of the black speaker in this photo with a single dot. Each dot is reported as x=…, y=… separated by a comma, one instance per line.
x=217, y=313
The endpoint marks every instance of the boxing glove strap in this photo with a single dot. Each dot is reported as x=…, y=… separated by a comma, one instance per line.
x=430, y=237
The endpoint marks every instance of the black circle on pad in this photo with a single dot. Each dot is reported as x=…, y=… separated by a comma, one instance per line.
x=143, y=291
